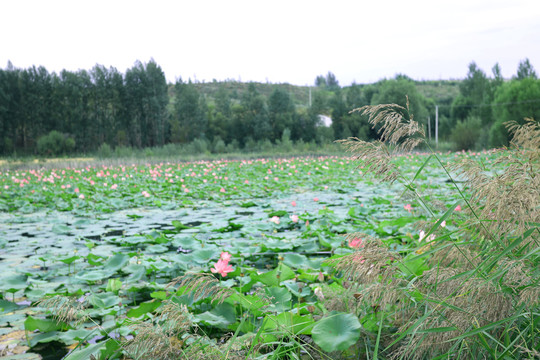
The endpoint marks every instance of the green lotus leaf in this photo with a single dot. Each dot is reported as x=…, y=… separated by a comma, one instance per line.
x=336, y=332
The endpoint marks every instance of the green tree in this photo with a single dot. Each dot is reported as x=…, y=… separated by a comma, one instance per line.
x=280, y=112
x=476, y=96
x=466, y=133
x=320, y=81
x=331, y=82
x=187, y=119
x=518, y=99
x=525, y=70
x=156, y=101
x=10, y=98
x=497, y=76
x=256, y=114
x=339, y=110
x=397, y=91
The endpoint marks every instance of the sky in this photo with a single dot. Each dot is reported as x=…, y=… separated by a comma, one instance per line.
x=275, y=41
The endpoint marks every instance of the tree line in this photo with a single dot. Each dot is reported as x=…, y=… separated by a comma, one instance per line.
x=45, y=113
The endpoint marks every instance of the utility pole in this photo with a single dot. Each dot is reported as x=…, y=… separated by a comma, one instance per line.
x=429, y=127
x=436, y=126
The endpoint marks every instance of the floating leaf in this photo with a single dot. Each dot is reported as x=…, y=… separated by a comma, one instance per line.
x=143, y=309
x=43, y=325
x=7, y=306
x=116, y=262
x=13, y=283
x=338, y=331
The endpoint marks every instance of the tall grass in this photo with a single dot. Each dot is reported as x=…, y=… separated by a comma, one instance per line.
x=471, y=292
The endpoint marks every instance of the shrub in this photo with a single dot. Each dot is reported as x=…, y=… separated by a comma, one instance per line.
x=123, y=151
x=200, y=146
x=219, y=146
x=498, y=135
x=105, y=151
x=233, y=146
x=286, y=143
x=466, y=133
x=55, y=143
x=266, y=146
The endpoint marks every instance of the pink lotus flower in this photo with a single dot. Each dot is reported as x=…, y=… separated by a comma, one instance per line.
x=458, y=208
x=316, y=199
x=422, y=235
x=294, y=218
x=225, y=256
x=356, y=243
x=408, y=207
x=222, y=267
x=275, y=220
x=81, y=196
x=114, y=186
x=76, y=190
x=293, y=203
x=222, y=190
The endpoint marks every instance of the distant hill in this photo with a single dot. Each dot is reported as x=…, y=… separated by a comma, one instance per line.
x=441, y=91
x=300, y=94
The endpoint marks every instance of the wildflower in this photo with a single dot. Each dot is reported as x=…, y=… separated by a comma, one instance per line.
x=225, y=256
x=222, y=267
x=294, y=218
x=356, y=243
x=422, y=235
x=319, y=293
x=275, y=220
x=408, y=207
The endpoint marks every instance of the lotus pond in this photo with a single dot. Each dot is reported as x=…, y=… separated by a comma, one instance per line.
x=110, y=239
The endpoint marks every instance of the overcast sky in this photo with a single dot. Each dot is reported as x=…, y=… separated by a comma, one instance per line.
x=276, y=41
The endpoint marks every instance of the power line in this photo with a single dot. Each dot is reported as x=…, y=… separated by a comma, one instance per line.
x=494, y=104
